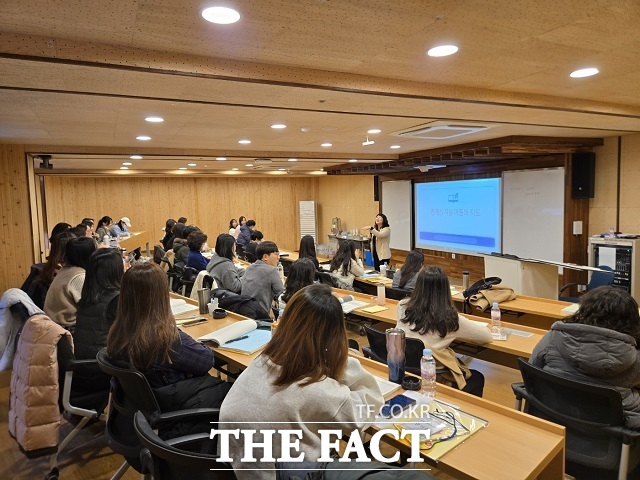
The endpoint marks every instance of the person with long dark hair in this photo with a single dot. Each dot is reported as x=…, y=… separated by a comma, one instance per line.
x=301, y=274
x=233, y=224
x=221, y=266
x=168, y=233
x=37, y=290
x=308, y=250
x=380, y=235
x=104, y=225
x=99, y=302
x=61, y=303
x=406, y=276
x=429, y=315
x=303, y=374
x=241, y=221
x=144, y=336
x=347, y=265
x=598, y=344
x=59, y=228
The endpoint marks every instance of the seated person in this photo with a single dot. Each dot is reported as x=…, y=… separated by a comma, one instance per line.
x=221, y=266
x=180, y=247
x=61, y=303
x=261, y=279
x=121, y=228
x=104, y=225
x=250, y=248
x=303, y=373
x=38, y=288
x=598, y=344
x=429, y=315
x=168, y=234
x=406, y=276
x=347, y=265
x=82, y=230
x=96, y=312
x=144, y=336
x=196, y=242
x=301, y=274
x=244, y=237
x=308, y=250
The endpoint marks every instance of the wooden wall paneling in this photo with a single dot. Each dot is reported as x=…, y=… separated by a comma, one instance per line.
x=16, y=241
x=207, y=202
x=575, y=246
x=348, y=197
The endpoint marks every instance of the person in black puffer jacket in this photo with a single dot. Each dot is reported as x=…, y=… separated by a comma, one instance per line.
x=180, y=247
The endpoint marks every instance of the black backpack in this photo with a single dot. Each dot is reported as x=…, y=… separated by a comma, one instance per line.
x=241, y=304
x=482, y=284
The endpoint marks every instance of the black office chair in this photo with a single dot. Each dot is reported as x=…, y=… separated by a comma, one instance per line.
x=397, y=293
x=596, y=437
x=377, y=349
x=131, y=392
x=187, y=280
x=180, y=458
x=598, y=279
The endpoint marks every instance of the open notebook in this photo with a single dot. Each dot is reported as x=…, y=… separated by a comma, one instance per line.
x=240, y=337
x=179, y=306
x=349, y=304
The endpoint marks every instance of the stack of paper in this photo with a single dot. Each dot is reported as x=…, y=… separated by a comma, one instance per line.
x=179, y=306
x=240, y=337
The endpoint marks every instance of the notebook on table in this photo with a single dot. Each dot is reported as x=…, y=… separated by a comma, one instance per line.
x=349, y=304
x=179, y=306
x=241, y=337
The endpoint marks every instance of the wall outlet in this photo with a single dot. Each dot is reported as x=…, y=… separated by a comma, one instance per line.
x=577, y=227
x=453, y=256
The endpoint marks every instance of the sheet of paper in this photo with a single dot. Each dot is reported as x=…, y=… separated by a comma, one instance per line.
x=607, y=257
x=375, y=309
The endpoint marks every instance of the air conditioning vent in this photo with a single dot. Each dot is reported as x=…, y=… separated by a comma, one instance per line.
x=441, y=132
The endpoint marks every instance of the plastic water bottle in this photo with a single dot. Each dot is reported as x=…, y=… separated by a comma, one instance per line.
x=612, y=232
x=281, y=271
x=428, y=374
x=106, y=240
x=495, y=319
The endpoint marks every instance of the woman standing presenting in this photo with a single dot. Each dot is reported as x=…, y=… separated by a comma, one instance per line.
x=380, y=235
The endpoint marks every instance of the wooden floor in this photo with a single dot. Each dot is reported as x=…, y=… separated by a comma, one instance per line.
x=89, y=458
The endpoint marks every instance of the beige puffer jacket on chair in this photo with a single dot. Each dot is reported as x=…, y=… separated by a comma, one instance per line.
x=34, y=416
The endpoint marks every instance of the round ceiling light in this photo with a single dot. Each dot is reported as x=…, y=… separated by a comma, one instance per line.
x=278, y=126
x=234, y=169
x=244, y=142
x=154, y=119
x=353, y=160
x=292, y=160
x=442, y=51
x=584, y=72
x=143, y=138
x=127, y=164
x=374, y=130
x=182, y=168
x=326, y=144
x=220, y=15
x=394, y=146
x=249, y=165
x=192, y=164
x=124, y=168
x=221, y=159
x=136, y=157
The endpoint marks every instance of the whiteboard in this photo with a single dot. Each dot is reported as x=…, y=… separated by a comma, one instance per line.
x=396, y=205
x=533, y=213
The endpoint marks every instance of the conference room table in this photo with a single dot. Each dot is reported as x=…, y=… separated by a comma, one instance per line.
x=292, y=256
x=527, y=311
x=513, y=446
x=136, y=240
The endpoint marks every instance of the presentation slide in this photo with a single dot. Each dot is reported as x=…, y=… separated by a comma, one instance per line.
x=461, y=216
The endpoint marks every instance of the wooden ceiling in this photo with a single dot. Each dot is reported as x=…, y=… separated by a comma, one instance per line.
x=78, y=78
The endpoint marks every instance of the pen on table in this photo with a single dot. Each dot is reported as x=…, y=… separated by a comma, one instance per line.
x=239, y=338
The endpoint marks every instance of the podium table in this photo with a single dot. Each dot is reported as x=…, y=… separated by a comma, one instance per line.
x=533, y=279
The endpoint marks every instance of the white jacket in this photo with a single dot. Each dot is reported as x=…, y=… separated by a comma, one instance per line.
x=10, y=323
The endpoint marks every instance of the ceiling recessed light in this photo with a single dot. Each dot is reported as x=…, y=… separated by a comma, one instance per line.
x=353, y=160
x=192, y=164
x=220, y=15
x=154, y=119
x=127, y=164
x=234, y=169
x=143, y=138
x=182, y=168
x=281, y=169
x=395, y=146
x=326, y=144
x=136, y=157
x=293, y=160
x=249, y=165
x=244, y=142
x=442, y=51
x=221, y=158
x=124, y=168
x=374, y=130
x=278, y=125
x=584, y=72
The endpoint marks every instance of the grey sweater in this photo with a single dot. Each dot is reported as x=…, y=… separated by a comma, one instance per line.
x=253, y=397
x=225, y=273
x=596, y=355
x=262, y=282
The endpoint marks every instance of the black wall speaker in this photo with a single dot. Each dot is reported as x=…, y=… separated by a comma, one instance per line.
x=376, y=193
x=583, y=174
